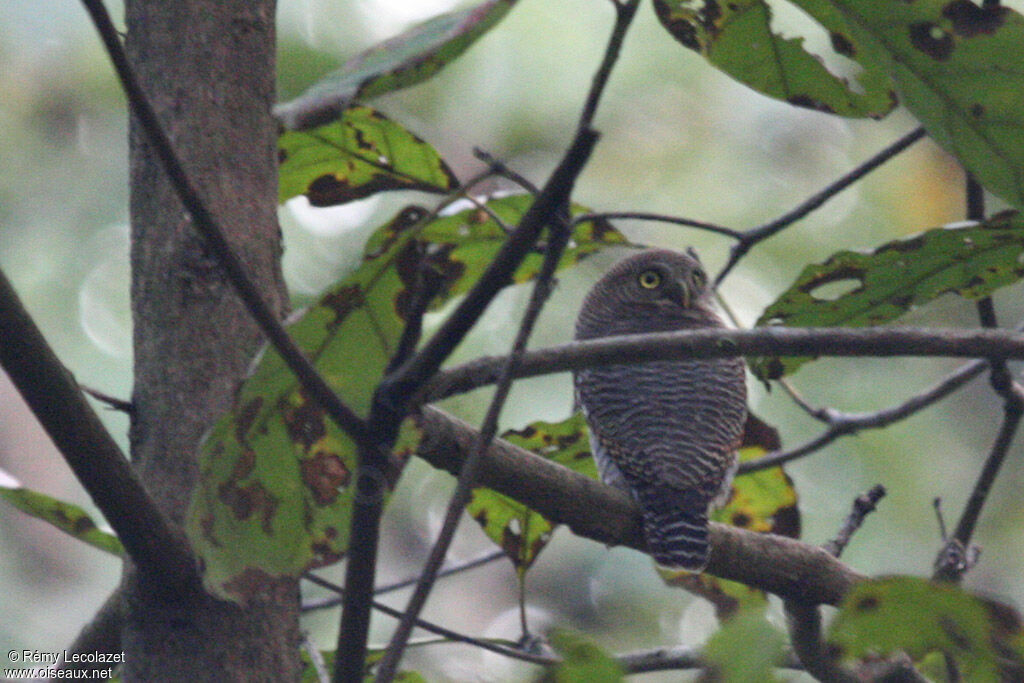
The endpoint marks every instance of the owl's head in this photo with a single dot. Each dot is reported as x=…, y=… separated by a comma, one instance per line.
x=655, y=290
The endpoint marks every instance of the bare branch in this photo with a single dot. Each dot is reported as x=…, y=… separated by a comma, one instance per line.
x=56, y=400
x=559, y=232
x=441, y=630
x=759, y=234
x=659, y=218
x=761, y=341
x=777, y=564
x=844, y=424
x=863, y=505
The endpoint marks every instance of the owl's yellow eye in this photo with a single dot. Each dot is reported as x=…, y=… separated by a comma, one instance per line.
x=649, y=279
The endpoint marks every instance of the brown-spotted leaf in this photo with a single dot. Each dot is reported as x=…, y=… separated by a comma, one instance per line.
x=909, y=614
x=361, y=154
x=276, y=485
x=518, y=530
x=878, y=286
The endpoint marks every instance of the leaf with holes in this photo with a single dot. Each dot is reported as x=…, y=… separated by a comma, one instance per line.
x=518, y=530
x=275, y=473
x=917, y=616
x=875, y=287
x=401, y=61
x=738, y=38
x=362, y=154
x=764, y=501
x=68, y=517
x=959, y=68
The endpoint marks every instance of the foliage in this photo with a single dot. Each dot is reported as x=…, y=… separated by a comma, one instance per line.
x=404, y=60
x=916, y=616
x=518, y=530
x=362, y=153
x=276, y=483
x=68, y=517
x=971, y=260
x=581, y=661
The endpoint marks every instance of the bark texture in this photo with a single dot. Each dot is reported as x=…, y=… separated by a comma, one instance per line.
x=208, y=68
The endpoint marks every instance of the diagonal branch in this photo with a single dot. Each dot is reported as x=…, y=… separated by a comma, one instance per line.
x=57, y=401
x=844, y=424
x=759, y=234
x=779, y=565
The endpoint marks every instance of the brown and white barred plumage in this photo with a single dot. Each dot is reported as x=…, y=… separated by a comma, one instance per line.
x=664, y=431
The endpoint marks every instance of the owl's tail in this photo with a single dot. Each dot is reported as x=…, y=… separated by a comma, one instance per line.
x=676, y=528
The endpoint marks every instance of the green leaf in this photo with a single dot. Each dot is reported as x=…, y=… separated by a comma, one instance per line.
x=918, y=617
x=518, y=530
x=746, y=648
x=878, y=286
x=399, y=62
x=360, y=155
x=275, y=484
x=737, y=38
x=764, y=501
x=582, y=660
x=69, y=518
x=957, y=68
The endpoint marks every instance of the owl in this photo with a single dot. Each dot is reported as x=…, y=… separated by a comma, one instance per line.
x=666, y=432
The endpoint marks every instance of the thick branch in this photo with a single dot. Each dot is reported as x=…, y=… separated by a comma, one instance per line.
x=780, y=565
x=761, y=341
x=58, y=403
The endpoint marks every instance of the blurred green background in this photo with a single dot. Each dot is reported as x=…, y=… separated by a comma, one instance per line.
x=677, y=137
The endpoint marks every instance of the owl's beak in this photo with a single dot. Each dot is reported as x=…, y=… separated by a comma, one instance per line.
x=682, y=293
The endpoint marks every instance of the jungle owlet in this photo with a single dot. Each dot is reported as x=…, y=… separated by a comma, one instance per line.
x=664, y=431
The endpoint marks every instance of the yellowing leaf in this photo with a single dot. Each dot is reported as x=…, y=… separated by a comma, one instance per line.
x=518, y=530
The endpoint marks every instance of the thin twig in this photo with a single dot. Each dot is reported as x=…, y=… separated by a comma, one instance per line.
x=334, y=601
x=957, y=556
x=112, y=402
x=441, y=630
x=804, y=618
x=863, y=505
x=158, y=548
x=763, y=232
x=1013, y=411
x=660, y=218
x=845, y=424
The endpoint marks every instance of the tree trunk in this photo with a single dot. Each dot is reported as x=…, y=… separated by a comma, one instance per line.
x=208, y=68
